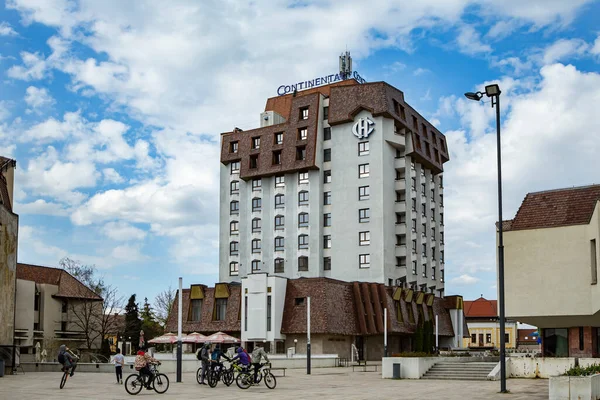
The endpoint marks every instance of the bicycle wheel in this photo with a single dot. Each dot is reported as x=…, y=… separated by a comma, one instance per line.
x=160, y=383
x=64, y=379
x=213, y=378
x=244, y=380
x=199, y=375
x=133, y=384
x=270, y=381
x=227, y=378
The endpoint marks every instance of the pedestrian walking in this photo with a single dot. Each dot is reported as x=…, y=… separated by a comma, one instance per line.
x=119, y=361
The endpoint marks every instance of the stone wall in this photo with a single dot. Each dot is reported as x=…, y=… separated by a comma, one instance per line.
x=9, y=224
x=583, y=349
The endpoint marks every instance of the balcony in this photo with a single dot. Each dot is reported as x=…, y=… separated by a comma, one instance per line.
x=400, y=163
x=400, y=206
x=401, y=250
x=401, y=229
x=400, y=185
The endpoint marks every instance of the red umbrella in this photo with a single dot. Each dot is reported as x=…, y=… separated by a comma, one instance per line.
x=221, y=337
x=166, y=338
x=194, y=337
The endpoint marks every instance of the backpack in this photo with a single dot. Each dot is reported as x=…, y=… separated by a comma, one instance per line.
x=61, y=358
x=199, y=354
x=215, y=356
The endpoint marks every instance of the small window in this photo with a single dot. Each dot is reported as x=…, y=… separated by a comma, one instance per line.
x=402, y=113
x=303, y=241
x=233, y=228
x=235, y=187
x=277, y=157
x=279, y=266
x=441, y=218
x=233, y=248
x=363, y=148
x=424, y=249
x=303, y=198
x=363, y=171
x=303, y=220
x=414, y=204
x=234, y=207
x=327, y=263
x=302, y=177
x=414, y=245
x=326, y=133
x=279, y=243
x=280, y=181
x=401, y=261
x=233, y=147
x=413, y=184
x=256, y=204
x=327, y=219
x=279, y=221
x=441, y=275
x=441, y=199
x=254, y=161
x=400, y=218
x=432, y=233
x=256, y=184
x=441, y=181
x=304, y=113
x=327, y=176
x=256, y=142
x=363, y=193
x=414, y=225
x=196, y=310
x=256, y=245
x=255, y=265
x=302, y=133
x=220, y=309
x=327, y=241
x=507, y=338
x=326, y=112
x=423, y=210
x=235, y=167
x=234, y=268
x=400, y=240
x=423, y=189
x=327, y=155
x=364, y=238
x=256, y=225
x=299, y=301
x=301, y=153
x=400, y=197
x=364, y=261
x=432, y=195
x=441, y=237
x=278, y=138
x=364, y=214
x=327, y=198
x=414, y=267
x=442, y=256
x=279, y=201
x=302, y=266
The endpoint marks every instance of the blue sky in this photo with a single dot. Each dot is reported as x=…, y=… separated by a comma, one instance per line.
x=113, y=111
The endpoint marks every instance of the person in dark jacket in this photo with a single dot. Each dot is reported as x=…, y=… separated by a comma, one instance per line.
x=205, y=359
x=66, y=359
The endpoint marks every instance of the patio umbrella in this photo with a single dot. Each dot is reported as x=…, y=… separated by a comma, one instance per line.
x=194, y=337
x=166, y=338
x=221, y=337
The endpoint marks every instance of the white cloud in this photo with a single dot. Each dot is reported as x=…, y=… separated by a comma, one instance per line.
x=469, y=41
x=4, y=113
x=128, y=253
x=6, y=29
x=464, y=280
x=42, y=207
x=122, y=231
x=564, y=48
x=595, y=50
x=539, y=12
x=112, y=176
x=34, y=67
x=426, y=96
x=37, y=98
x=502, y=29
x=420, y=71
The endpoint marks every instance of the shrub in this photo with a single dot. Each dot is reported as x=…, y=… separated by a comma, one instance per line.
x=413, y=354
x=583, y=371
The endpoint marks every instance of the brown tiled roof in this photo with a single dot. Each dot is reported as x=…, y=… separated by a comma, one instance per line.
x=554, y=208
x=68, y=286
x=206, y=325
x=526, y=333
x=481, y=308
x=506, y=225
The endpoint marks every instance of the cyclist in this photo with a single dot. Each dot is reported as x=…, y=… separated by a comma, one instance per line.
x=257, y=355
x=215, y=358
x=65, y=358
x=242, y=357
x=204, y=355
x=142, y=364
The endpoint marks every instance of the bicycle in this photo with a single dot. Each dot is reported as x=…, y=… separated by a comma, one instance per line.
x=246, y=379
x=135, y=382
x=66, y=370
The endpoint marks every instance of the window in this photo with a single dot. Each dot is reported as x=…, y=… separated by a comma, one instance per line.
x=363, y=171
x=423, y=210
x=414, y=267
x=507, y=338
x=303, y=219
x=441, y=237
x=233, y=248
x=256, y=142
x=364, y=214
x=302, y=266
x=279, y=201
x=235, y=167
x=432, y=233
x=304, y=113
x=325, y=112
x=441, y=275
x=326, y=155
x=414, y=204
x=327, y=198
x=302, y=133
x=280, y=181
x=279, y=222
x=303, y=241
x=432, y=195
x=327, y=241
x=327, y=176
x=400, y=197
x=256, y=184
x=412, y=165
x=424, y=249
x=441, y=199
x=556, y=342
x=254, y=161
x=402, y=113
x=400, y=240
x=363, y=148
x=277, y=157
x=327, y=263
x=234, y=207
x=433, y=253
x=424, y=229
x=268, y=313
x=424, y=275
x=593, y=261
x=363, y=193
x=442, y=256
x=364, y=238
x=234, y=268
x=233, y=228
x=302, y=177
x=401, y=261
x=256, y=204
x=303, y=198
x=474, y=338
x=278, y=138
x=301, y=153
x=299, y=301
x=233, y=147
x=399, y=153
x=423, y=189
x=414, y=245
x=255, y=265
x=326, y=133
x=400, y=218
x=432, y=215
x=441, y=218
x=413, y=184
x=256, y=245
x=36, y=302
x=364, y=261
x=234, y=186
x=581, y=345
x=327, y=219
x=441, y=181
x=220, y=309
x=256, y=225
x=414, y=225
x=196, y=309
x=279, y=243
x=279, y=266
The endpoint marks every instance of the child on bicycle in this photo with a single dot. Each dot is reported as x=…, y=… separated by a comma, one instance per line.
x=142, y=364
x=66, y=360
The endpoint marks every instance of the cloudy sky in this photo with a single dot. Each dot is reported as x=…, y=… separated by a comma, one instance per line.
x=113, y=110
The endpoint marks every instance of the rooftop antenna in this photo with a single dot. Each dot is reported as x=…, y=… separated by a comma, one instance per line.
x=345, y=65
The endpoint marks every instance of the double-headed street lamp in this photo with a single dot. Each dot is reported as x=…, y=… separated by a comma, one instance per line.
x=493, y=92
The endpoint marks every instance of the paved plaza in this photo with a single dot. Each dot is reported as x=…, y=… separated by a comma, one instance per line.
x=324, y=383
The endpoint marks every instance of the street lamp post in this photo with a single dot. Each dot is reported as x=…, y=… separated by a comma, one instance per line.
x=493, y=92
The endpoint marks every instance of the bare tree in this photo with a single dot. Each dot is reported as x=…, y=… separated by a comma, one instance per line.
x=162, y=305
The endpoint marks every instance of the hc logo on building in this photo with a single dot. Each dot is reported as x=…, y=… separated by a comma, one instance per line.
x=363, y=128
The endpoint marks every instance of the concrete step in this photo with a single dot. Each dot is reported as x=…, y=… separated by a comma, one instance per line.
x=456, y=378
x=474, y=371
